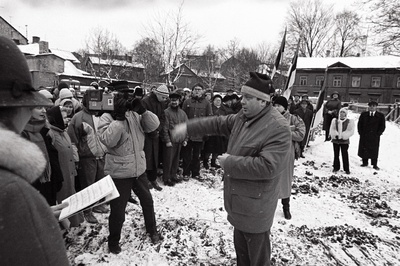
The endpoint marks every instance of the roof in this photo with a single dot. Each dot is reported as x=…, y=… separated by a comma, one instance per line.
x=33, y=49
x=114, y=62
x=386, y=61
x=71, y=70
x=14, y=28
x=203, y=74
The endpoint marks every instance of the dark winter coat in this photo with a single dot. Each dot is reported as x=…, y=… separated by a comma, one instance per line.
x=306, y=115
x=195, y=108
x=331, y=105
x=152, y=141
x=258, y=149
x=370, y=130
x=29, y=233
x=217, y=144
x=173, y=117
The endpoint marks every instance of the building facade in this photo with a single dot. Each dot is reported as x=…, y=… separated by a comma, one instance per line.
x=7, y=30
x=357, y=79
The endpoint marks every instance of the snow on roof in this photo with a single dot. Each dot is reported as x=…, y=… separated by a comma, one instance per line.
x=387, y=61
x=31, y=49
x=65, y=55
x=71, y=70
x=114, y=62
x=215, y=75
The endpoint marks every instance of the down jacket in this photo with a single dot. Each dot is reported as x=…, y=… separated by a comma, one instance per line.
x=125, y=142
x=258, y=151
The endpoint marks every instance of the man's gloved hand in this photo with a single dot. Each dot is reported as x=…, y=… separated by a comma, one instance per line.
x=136, y=106
x=119, y=109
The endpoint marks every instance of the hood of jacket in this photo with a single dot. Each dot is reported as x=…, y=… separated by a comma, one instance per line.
x=20, y=156
x=55, y=117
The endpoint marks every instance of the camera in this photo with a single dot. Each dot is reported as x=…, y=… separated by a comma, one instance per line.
x=99, y=100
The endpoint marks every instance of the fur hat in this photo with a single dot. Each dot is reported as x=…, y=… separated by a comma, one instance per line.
x=217, y=96
x=16, y=88
x=259, y=85
x=62, y=85
x=65, y=93
x=162, y=90
x=227, y=98
x=281, y=101
x=46, y=94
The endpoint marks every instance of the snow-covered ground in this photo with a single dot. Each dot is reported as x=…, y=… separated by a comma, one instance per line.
x=337, y=219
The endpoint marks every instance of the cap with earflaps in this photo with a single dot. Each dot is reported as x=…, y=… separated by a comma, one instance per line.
x=16, y=88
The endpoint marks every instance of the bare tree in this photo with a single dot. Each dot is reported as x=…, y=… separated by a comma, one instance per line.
x=107, y=50
x=147, y=52
x=347, y=33
x=311, y=21
x=174, y=37
x=385, y=22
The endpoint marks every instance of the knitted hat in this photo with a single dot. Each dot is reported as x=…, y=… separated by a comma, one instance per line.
x=281, y=101
x=259, y=85
x=46, y=94
x=65, y=93
x=16, y=88
x=162, y=90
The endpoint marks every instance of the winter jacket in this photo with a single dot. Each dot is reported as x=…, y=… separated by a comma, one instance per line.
x=331, y=105
x=195, y=108
x=298, y=131
x=341, y=130
x=84, y=135
x=29, y=233
x=258, y=150
x=370, y=130
x=124, y=140
x=306, y=115
x=173, y=117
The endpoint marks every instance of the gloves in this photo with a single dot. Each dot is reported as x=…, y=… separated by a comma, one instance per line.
x=136, y=106
x=119, y=109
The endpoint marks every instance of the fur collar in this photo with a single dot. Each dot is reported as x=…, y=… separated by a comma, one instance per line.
x=20, y=156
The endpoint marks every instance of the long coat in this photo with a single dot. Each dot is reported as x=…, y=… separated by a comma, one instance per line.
x=331, y=105
x=306, y=115
x=370, y=130
x=298, y=130
x=258, y=149
x=30, y=234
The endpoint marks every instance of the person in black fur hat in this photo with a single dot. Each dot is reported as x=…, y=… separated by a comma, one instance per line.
x=258, y=148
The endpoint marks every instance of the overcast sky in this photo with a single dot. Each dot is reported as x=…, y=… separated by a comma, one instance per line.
x=66, y=23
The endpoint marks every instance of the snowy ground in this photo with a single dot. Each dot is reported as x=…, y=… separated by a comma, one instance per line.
x=337, y=219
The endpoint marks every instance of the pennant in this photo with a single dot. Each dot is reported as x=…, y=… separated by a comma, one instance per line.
x=291, y=74
x=280, y=55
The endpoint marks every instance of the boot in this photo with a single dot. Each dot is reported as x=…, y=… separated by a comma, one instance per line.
x=156, y=185
x=89, y=217
x=287, y=214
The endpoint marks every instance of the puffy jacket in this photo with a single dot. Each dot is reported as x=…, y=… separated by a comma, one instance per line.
x=125, y=142
x=258, y=149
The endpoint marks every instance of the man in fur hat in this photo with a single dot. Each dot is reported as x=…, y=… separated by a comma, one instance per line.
x=259, y=144
x=29, y=232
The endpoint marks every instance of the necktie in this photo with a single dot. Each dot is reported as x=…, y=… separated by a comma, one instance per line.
x=371, y=114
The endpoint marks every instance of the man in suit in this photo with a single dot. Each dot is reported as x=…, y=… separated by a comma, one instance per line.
x=371, y=125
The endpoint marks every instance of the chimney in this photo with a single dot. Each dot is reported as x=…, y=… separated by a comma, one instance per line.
x=328, y=53
x=35, y=39
x=43, y=47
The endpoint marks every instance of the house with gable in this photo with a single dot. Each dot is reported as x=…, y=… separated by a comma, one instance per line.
x=7, y=30
x=357, y=79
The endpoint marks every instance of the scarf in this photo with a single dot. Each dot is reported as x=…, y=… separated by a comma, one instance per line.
x=32, y=132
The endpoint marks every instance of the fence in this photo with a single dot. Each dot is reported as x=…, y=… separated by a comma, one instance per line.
x=391, y=111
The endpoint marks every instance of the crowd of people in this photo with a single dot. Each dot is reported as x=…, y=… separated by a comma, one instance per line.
x=167, y=134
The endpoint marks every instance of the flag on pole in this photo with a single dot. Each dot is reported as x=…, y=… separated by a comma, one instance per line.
x=320, y=102
x=280, y=55
x=291, y=74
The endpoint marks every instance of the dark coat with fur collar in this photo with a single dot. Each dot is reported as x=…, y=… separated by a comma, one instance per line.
x=29, y=232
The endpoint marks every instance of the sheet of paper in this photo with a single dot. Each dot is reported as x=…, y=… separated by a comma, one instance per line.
x=103, y=189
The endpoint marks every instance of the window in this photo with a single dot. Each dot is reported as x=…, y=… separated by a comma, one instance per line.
x=376, y=82
x=355, y=81
x=337, y=81
x=303, y=80
x=398, y=82
x=319, y=80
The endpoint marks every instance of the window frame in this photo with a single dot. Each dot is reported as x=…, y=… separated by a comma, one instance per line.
x=376, y=78
x=353, y=78
x=303, y=81
x=337, y=81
